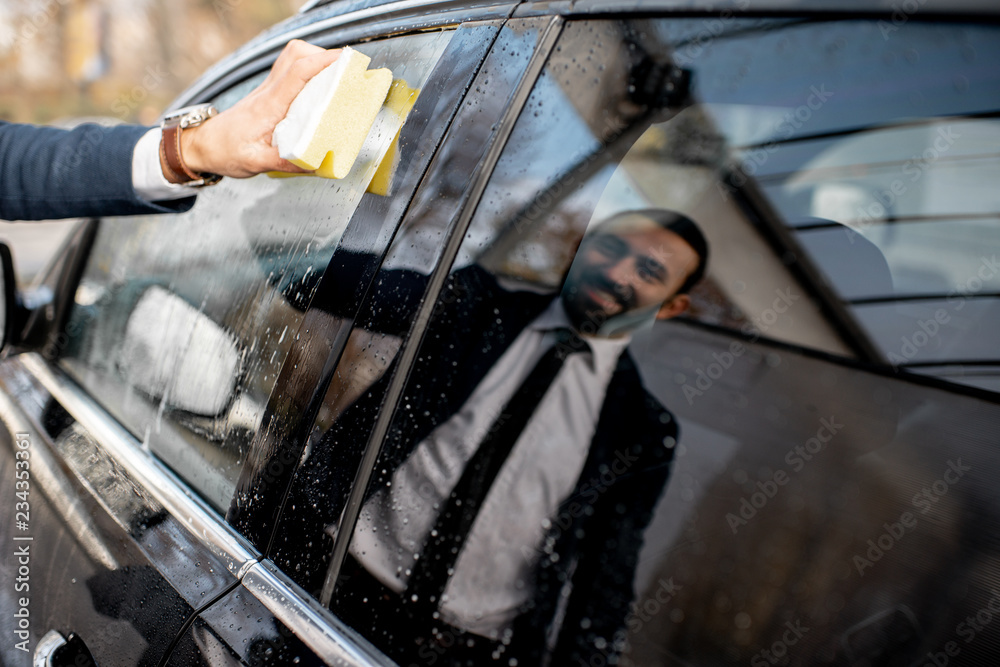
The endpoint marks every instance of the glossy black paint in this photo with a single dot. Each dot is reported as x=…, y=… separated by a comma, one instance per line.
x=107, y=562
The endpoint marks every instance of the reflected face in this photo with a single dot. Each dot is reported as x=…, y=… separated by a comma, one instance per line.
x=634, y=267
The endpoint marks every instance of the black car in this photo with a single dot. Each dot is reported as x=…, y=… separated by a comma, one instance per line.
x=254, y=433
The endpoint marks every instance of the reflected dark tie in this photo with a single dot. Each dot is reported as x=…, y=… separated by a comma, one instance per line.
x=432, y=571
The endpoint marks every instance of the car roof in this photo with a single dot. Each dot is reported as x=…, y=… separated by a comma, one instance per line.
x=347, y=16
x=903, y=7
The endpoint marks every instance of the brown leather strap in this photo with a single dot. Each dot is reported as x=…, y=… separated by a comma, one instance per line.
x=171, y=159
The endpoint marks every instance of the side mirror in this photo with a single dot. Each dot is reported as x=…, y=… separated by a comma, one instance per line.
x=10, y=310
x=176, y=353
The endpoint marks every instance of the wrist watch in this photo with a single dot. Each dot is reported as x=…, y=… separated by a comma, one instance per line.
x=171, y=160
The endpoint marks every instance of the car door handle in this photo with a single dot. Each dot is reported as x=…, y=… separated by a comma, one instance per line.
x=54, y=650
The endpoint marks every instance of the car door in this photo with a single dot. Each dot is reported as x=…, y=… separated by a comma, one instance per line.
x=114, y=552
x=824, y=497
x=171, y=344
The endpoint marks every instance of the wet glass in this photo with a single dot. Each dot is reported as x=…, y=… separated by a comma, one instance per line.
x=182, y=323
x=878, y=141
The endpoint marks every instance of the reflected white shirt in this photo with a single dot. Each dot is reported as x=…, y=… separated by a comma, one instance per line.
x=493, y=572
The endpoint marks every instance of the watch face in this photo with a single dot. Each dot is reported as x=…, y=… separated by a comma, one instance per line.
x=190, y=116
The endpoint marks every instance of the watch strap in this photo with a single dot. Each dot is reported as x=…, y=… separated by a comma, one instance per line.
x=171, y=159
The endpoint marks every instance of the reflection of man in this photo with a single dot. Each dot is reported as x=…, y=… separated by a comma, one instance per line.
x=506, y=518
x=636, y=266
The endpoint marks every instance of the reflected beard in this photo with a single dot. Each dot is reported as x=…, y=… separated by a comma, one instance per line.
x=582, y=309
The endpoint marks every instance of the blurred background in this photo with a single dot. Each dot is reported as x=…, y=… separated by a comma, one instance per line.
x=118, y=60
x=125, y=59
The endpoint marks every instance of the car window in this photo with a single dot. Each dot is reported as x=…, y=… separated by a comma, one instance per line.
x=883, y=145
x=599, y=456
x=182, y=323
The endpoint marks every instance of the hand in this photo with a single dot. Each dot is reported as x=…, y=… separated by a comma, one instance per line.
x=237, y=142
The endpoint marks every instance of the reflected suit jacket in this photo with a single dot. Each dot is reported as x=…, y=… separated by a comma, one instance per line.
x=598, y=532
x=46, y=172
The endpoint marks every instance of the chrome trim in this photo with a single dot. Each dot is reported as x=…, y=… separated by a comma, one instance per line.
x=318, y=629
x=311, y=4
x=161, y=483
x=46, y=472
x=588, y=6
x=46, y=648
x=570, y=7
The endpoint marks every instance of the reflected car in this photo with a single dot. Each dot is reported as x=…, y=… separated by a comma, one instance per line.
x=305, y=422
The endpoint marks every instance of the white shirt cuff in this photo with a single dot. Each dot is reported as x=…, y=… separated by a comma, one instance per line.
x=147, y=175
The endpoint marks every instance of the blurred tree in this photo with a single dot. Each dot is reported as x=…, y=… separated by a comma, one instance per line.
x=125, y=59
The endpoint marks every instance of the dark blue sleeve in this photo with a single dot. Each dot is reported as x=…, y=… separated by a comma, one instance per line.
x=47, y=172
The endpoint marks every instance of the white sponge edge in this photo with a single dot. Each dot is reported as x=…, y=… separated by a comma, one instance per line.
x=294, y=133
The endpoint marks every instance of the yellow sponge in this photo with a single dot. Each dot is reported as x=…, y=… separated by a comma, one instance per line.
x=400, y=101
x=328, y=121
x=379, y=160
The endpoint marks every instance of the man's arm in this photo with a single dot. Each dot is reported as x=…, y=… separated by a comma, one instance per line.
x=53, y=173
x=46, y=172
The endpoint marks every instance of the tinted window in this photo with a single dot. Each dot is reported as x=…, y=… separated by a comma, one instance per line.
x=699, y=486
x=870, y=160
x=182, y=323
